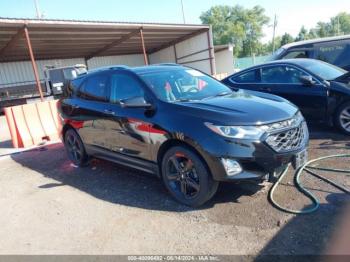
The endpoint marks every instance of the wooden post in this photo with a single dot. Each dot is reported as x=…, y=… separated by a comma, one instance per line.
x=143, y=47
x=35, y=69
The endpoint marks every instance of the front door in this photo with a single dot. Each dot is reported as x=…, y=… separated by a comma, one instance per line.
x=284, y=81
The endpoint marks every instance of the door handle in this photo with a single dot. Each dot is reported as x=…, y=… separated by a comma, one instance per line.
x=109, y=112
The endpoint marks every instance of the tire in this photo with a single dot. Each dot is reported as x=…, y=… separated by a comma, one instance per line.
x=75, y=148
x=186, y=177
x=342, y=118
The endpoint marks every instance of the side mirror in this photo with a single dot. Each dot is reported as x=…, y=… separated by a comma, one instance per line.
x=135, y=102
x=307, y=80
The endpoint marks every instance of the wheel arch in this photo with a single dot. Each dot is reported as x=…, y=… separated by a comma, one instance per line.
x=176, y=142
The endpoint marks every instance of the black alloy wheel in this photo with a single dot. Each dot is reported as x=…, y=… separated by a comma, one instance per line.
x=186, y=177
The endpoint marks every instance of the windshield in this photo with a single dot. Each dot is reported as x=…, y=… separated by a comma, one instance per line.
x=322, y=69
x=183, y=85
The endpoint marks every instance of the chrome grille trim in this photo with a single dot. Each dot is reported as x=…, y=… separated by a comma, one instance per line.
x=289, y=139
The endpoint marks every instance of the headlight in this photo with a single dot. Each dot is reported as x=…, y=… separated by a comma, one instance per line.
x=241, y=132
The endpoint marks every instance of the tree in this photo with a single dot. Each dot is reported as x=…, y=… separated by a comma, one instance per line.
x=286, y=39
x=237, y=25
x=303, y=34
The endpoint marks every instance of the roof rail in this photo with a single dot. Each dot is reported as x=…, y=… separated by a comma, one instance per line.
x=168, y=64
x=113, y=67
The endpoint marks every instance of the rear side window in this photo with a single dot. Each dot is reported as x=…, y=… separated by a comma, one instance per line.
x=248, y=77
x=336, y=52
x=95, y=88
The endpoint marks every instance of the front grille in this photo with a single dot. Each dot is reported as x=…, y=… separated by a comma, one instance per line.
x=288, y=140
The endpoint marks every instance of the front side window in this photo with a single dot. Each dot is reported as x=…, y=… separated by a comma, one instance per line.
x=183, y=84
x=296, y=54
x=95, y=88
x=281, y=75
x=124, y=86
x=248, y=77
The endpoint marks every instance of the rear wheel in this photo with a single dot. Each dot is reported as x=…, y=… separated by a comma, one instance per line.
x=186, y=177
x=342, y=118
x=75, y=148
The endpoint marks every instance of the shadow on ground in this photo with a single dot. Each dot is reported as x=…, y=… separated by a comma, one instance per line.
x=306, y=235
x=114, y=183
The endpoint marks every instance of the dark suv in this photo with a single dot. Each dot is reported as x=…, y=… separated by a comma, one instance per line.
x=182, y=125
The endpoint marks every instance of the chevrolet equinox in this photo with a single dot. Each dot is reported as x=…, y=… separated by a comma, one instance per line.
x=182, y=125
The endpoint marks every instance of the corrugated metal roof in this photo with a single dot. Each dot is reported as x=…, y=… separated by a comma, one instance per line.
x=54, y=39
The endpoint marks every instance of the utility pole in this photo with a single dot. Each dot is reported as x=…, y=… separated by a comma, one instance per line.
x=38, y=14
x=274, y=33
x=183, y=12
x=338, y=25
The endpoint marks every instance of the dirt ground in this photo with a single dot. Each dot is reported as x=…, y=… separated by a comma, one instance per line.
x=48, y=206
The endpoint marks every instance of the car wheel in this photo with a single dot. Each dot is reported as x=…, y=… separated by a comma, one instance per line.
x=186, y=177
x=75, y=148
x=342, y=118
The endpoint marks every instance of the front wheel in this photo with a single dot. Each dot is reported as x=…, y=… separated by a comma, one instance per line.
x=186, y=177
x=342, y=118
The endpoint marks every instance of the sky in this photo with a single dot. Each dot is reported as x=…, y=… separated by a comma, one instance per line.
x=291, y=14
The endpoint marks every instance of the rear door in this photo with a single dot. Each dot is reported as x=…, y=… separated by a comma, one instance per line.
x=284, y=81
x=90, y=110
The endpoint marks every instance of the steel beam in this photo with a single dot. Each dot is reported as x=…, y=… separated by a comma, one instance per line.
x=143, y=47
x=114, y=43
x=35, y=69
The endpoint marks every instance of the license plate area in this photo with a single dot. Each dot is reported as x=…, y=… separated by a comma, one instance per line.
x=300, y=159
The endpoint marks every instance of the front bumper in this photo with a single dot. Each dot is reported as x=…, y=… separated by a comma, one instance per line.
x=258, y=159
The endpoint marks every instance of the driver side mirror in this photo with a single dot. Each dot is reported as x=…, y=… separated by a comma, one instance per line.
x=307, y=80
x=135, y=102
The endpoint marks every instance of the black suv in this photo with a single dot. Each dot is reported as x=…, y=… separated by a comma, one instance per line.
x=182, y=125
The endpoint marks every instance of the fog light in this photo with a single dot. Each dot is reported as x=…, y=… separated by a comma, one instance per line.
x=232, y=167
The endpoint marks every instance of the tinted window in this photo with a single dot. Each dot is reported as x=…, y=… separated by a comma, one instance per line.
x=124, y=86
x=183, y=84
x=95, y=88
x=336, y=53
x=281, y=75
x=249, y=77
x=296, y=54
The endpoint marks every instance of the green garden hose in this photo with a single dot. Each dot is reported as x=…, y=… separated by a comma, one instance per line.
x=308, y=168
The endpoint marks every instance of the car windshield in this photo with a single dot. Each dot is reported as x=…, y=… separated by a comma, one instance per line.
x=183, y=85
x=322, y=69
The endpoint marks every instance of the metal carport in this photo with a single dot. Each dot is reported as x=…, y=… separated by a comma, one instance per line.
x=23, y=40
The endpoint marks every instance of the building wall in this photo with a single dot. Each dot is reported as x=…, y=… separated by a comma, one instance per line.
x=129, y=60
x=14, y=72
x=224, y=62
x=184, y=48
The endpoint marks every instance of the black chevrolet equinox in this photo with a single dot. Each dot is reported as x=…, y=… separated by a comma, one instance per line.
x=182, y=125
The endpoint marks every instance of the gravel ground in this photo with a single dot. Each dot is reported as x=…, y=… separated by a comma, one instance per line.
x=50, y=207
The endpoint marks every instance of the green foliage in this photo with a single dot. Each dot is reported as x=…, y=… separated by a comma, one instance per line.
x=237, y=25
x=243, y=27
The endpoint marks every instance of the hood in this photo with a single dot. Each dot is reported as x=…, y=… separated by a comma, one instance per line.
x=242, y=108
